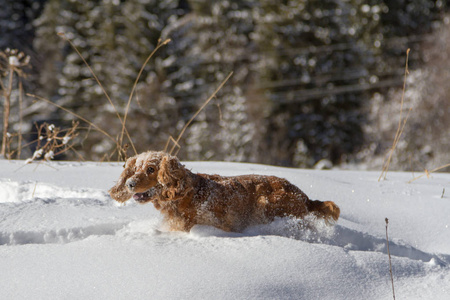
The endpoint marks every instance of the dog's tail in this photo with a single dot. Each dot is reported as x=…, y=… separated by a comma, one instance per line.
x=327, y=210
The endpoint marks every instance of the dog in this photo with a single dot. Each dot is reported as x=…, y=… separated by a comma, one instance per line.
x=230, y=203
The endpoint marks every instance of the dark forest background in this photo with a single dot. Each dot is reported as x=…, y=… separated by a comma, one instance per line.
x=314, y=81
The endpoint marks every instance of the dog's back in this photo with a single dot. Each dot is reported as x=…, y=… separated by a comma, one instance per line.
x=235, y=202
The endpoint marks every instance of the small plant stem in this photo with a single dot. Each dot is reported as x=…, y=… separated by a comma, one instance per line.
x=119, y=144
x=76, y=115
x=389, y=254
x=19, y=145
x=34, y=190
x=159, y=45
x=400, y=128
x=6, y=111
x=427, y=173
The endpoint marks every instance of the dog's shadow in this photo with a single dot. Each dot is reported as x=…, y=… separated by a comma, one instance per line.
x=316, y=232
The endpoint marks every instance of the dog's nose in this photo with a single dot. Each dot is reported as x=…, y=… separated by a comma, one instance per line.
x=131, y=184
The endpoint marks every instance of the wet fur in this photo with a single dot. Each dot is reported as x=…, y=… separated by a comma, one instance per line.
x=229, y=203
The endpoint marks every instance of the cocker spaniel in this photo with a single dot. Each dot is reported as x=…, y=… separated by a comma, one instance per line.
x=229, y=203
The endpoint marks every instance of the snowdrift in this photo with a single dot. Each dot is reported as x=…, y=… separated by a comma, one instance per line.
x=61, y=236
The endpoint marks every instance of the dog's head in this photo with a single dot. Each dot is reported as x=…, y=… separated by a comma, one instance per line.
x=150, y=176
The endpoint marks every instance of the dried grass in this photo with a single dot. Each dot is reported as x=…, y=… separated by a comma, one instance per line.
x=428, y=172
x=121, y=148
x=401, y=124
x=158, y=46
x=176, y=141
x=118, y=143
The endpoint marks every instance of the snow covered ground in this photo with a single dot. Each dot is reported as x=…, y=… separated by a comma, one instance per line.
x=62, y=237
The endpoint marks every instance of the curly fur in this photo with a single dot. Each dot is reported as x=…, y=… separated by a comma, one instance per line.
x=229, y=203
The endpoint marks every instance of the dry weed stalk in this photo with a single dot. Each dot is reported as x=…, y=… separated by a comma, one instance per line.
x=19, y=143
x=10, y=151
x=428, y=172
x=159, y=45
x=389, y=254
x=176, y=141
x=52, y=141
x=120, y=148
x=11, y=62
x=118, y=144
x=75, y=115
x=401, y=124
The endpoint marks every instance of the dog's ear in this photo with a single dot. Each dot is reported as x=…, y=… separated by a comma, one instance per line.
x=119, y=192
x=174, y=178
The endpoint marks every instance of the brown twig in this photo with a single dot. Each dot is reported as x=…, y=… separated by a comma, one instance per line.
x=389, y=254
x=12, y=61
x=6, y=111
x=19, y=143
x=52, y=141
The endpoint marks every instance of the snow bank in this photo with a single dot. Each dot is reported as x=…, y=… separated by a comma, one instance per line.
x=61, y=236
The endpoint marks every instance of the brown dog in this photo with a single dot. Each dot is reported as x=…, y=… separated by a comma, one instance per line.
x=229, y=203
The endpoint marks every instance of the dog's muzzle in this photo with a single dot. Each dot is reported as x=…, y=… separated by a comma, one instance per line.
x=131, y=184
x=146, y=196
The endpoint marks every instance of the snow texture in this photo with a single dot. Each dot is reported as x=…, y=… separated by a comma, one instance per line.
x=63, y=237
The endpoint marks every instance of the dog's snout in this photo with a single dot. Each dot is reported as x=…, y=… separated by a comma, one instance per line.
x=131, y=184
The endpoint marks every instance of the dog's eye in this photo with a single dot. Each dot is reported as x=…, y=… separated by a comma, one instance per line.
x=150, y=170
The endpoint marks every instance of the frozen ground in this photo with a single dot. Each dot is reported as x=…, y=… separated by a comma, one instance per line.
x=62, y=237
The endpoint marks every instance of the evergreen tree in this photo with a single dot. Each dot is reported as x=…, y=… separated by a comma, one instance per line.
x=114, y=37
x=304, y=71
x=314, y=58
x=16, y=27
x=209, y=43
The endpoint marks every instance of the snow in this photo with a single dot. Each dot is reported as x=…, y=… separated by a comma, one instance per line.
x=61, y=236
x=14, y=61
